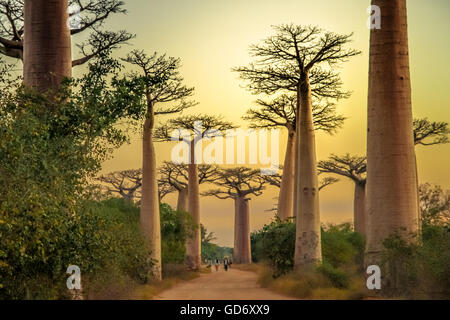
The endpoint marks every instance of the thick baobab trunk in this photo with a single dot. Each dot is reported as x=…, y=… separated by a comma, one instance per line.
x=182, y=202
x=307, y=246
x=237, y=208
x=128, y=198
x=391, y=173
x=242, y=253
x=286, y=196
x=149, y=217
x=47, y=53
x=193, y=245
x=359, y=208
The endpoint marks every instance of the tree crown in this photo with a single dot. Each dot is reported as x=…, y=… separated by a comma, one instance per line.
x=201, y=125
x=285, y=60
x=282, y=112
x=237, y=182
x=90, y=15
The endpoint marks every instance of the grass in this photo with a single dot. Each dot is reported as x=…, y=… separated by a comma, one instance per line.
x=307, y=284
x=172, y=275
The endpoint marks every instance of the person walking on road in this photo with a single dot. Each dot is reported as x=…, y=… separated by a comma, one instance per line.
x=216, y=264
x=225, y=264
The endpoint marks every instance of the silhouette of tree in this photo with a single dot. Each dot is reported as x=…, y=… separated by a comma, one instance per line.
x=276, y=180
x=89, y=15
x=238, y=184
x=429, y=133
x=158, y=82
x=292, y=60
x=354, y=168
x=210, y=125
x=434, y=203
x=125, y=183
x=281, y=112
x=176, y=177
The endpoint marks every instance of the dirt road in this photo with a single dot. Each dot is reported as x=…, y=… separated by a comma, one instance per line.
x=231, y=285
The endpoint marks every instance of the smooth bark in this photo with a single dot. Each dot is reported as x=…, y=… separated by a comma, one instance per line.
x=242, y=253
x=237, y=208
x=391, y=173
x=149, y=217
x=47, y=49
x=359, y=208
x=308, y=250
x=286, y=196
x=182, y=202
x=193, y=243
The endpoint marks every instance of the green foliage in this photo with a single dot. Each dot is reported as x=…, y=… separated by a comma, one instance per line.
x=341, y=246
x=275, y=245
x=342, y=250
x=176, y=226
x=338, y=278
x=51, y=145
x=418, y=270
x=210, y=250
x=434, y=203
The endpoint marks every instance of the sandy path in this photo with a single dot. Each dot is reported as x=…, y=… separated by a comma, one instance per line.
x=231, y=285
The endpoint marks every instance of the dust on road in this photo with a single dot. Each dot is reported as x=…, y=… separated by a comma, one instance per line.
x=222, y=285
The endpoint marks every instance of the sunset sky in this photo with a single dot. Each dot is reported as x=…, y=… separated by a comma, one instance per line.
x=212, y=36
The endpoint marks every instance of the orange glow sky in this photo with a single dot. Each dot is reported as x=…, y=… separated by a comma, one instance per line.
x=212, y=36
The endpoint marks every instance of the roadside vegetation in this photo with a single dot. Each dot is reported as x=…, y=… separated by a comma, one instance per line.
x=417, y=271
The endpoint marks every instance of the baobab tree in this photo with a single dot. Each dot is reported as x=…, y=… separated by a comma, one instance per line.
x=126, y=183
x=176, y=177
x=158, y=83
x=291, y=60
x=429, y=133
x=354, y=168
x=281, y=113
x=276, y=180
x=392, y=183
x=46, y=50
x=198, y=127
x=425, y=133
x=239, y=184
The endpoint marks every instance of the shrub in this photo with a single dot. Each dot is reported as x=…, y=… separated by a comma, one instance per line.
x=50, y=147
x=421, y=269
x=176, y=226
x=338, y=278
x=275, y=245
x=341, y=246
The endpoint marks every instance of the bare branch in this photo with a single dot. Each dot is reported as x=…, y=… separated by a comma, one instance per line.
x=429, y=133
x=352, y=167
x=281, y=112
x=238, y=182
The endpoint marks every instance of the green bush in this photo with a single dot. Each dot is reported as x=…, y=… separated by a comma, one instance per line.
x=274, y=244
x=50, y=147
x=210, y=250
x=420, y=269
x=338, y=278
x=176, y=226
x=341, y=246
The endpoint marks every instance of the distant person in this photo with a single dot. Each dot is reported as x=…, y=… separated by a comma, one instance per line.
x=225, y=264
x=230, y=262
x=216, y=264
